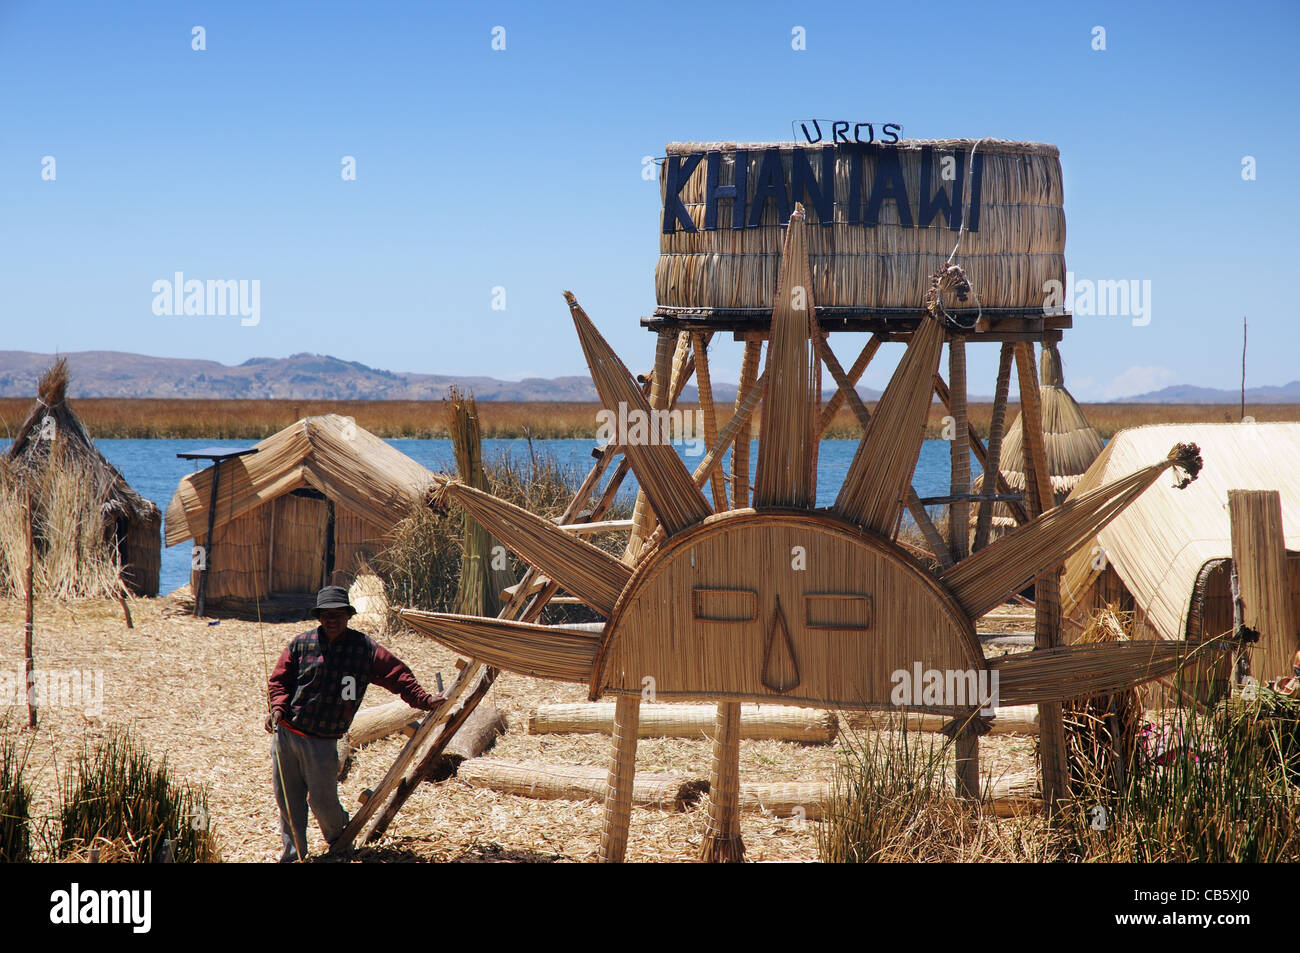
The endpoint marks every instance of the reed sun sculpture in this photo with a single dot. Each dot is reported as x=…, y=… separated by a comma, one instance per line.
x=780, y=602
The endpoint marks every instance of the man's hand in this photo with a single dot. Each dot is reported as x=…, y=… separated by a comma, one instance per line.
x=437, y=698
x=272, y=721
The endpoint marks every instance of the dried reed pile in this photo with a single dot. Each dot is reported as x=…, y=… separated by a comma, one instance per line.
x=1019, y=244
x=480, y=586
x=1101, y=732
x=757, y=722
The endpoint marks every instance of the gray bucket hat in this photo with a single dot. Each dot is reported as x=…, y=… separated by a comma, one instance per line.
x=333, y=597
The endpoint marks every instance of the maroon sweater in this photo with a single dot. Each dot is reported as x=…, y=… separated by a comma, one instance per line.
x=317, y=685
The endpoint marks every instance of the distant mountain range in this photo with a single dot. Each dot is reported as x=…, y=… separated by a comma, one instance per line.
x=1190, y=394
x=321, y=377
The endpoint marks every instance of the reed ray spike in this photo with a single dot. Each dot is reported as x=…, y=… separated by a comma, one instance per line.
x=784, y=603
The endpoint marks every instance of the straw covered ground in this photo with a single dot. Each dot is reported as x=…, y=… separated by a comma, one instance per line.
x=196, y=692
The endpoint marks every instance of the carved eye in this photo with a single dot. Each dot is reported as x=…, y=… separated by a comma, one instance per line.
x=844, y=612
x=710, y=604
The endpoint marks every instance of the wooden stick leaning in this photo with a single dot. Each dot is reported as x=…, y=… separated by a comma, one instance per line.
x=984, y=520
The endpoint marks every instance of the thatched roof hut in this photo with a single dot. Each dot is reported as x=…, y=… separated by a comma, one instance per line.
x=52, y=435
x=299, y=513
x=1167, y=558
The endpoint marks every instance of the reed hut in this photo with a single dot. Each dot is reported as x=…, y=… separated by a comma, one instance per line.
x=1168, y=557
x=1071, y=442
x=53, y=436
x=304, y=511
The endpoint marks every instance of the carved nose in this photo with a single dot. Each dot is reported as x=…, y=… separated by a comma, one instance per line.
x=780, y=667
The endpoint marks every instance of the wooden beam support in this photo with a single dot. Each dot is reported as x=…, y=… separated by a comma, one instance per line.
x=705, y=385
x=958, y=452
x=854, y=375
x=1047, y=591
x=997, y=427
x=622, y=778
x=1018, y=512
x=740, y=455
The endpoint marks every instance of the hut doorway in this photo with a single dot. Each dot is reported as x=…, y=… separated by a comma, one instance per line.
x=301, y=553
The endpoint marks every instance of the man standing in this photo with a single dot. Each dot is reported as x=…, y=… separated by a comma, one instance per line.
x=315, y=691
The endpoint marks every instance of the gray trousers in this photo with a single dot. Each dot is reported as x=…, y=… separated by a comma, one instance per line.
x=305, y=771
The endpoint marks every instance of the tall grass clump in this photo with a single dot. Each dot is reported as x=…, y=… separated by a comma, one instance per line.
x=1213, y=786
x=117, y=801
x=892, y=801
x=421, y=566
x=15, y=802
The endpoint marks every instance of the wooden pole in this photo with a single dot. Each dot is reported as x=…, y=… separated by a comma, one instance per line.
x=705, y=385
x=854, y=375
x=992, y=462
x=1018, y=512
x=622, y=779
x=29, y=628
x=642, y=515
x=1047, y=591
x=966, y=744
x=958, y=451
x=1259, y=558
x=207, y=542
x=740, y=453
x=722, y=843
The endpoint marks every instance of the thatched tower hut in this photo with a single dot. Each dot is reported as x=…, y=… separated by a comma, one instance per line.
x=315, y=500
x=1072, y=443
x=53, y=438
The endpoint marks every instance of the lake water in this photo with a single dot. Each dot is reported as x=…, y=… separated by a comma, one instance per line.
x=153, y=469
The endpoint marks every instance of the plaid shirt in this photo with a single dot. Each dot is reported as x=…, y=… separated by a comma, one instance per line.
x=310, y=686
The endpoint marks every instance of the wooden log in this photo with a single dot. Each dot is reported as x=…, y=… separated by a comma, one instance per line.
x=578, y=782
x=1259, y=556
x=479, y=732
x=803, y=800
x=757, y=722
x=1011, y=720
x=373, y=723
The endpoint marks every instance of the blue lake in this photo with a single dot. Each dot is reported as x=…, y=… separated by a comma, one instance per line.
x=153, y=469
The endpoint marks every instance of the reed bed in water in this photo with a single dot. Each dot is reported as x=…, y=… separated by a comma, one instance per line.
x=115, y=418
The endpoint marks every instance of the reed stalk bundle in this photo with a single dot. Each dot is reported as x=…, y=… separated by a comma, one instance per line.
x=1084, y=671
x=585, y=570
x=1010, y=720
x=757, y=722
x=881, y=471
x=1018, y=246
x=479, y=590
x=542, y=651
x=677, y=501
x=787, y=455
x=989, y=577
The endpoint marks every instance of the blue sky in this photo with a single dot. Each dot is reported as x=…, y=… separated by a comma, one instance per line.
x=521, y=168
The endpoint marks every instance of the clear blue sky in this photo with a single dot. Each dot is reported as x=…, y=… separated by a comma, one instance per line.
x=522, y=168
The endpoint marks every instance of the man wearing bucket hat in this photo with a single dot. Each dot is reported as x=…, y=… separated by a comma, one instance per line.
x=315, y=691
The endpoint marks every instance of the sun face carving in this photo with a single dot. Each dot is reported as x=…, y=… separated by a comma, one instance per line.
x=781, y=603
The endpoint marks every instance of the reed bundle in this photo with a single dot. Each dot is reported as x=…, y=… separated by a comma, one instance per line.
x=478, y=593
x=677, y=501
x=1084, y=671
x=587, y=571
x=990, y=576
x=542, y=651
x=573, y=782
x=881, y=471
x=757, y=722
x=1010, y=720
x=787, y=454
x=1018, y=246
